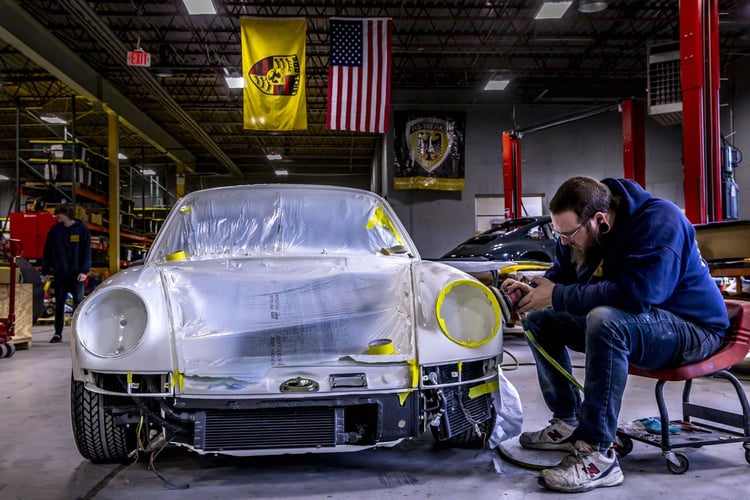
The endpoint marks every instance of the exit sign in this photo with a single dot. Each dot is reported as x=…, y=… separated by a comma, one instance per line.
x=139, y=57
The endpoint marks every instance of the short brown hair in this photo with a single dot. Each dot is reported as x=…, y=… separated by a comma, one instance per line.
x=63, y=209
x=583, y=195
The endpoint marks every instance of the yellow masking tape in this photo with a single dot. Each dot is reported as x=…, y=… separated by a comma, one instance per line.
x=381, y=346
x=380, y=217
x=481, y=390
x=176, y=256
x=402, y=397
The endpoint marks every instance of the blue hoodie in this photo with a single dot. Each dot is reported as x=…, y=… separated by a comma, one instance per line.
x=67, y=250
x=650, y=259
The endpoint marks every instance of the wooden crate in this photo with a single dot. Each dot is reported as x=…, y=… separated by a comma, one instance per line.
x=24, y=312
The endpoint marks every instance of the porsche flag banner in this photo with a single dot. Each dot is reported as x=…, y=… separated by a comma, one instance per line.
x=359, y=75
x=273, y=65
x=429, y=150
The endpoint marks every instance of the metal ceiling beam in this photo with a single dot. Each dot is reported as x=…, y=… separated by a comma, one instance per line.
x=30, y=38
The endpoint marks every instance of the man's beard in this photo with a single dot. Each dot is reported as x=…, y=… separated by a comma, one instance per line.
x=588, y=255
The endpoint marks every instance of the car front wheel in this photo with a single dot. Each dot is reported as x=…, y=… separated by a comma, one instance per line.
x=97, y=437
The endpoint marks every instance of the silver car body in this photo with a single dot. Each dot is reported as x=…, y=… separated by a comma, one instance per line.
x=275, y=299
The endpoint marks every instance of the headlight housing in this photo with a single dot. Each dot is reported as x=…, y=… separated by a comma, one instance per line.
x=468, y=313
x=112, y=323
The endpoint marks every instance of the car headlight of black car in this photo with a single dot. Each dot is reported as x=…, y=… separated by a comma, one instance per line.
x=468, y=313
x=112, y=323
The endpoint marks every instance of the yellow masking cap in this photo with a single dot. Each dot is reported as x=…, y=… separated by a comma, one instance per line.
x=381, y=346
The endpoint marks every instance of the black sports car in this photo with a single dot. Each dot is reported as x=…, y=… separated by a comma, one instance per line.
x=527, y=238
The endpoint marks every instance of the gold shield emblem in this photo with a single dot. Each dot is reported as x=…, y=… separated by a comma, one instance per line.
x=430, y=141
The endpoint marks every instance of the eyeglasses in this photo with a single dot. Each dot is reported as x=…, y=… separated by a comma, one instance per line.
x=571, y=234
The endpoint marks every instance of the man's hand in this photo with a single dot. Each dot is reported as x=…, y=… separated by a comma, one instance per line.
x=82, y=277
x=539, y=297
x=509, y=285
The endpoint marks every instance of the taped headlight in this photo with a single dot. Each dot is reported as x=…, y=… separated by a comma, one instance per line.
x=112, y=323
x=468, y=313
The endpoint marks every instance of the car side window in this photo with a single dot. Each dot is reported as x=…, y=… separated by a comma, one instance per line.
x=536, y=233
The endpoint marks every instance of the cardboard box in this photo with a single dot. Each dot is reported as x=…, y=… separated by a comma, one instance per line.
x=24, y=310
x=723, y=241
x=5, y=278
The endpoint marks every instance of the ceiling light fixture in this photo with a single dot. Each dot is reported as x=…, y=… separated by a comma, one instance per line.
x=53, y=119
x=281, y=172
x=121, y=156
x=197, y=7
x=552, y=10
x=273, y=155
x=148, y=171
x=234, y=79
x=496, y=84
x=591, y=6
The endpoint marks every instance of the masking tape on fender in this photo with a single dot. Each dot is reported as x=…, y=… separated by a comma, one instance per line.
x=381, y=346
x=176, y=256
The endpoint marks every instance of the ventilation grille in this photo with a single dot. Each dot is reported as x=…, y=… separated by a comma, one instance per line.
x=455, y=421
x=267, y=428
x=664, y=84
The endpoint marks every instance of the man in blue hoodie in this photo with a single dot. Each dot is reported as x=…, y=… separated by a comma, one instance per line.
x=628, y=285
x=67, y=256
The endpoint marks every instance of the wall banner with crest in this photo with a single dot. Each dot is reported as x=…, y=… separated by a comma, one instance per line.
x=429, y=150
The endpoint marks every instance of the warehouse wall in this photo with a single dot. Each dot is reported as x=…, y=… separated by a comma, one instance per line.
x=439, y=220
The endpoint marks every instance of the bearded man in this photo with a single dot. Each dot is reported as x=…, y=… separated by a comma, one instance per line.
x=628, y=285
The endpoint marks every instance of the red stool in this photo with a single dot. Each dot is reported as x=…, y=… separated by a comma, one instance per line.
x=734, y=348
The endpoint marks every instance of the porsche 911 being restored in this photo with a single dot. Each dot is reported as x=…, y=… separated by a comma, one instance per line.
x=275, y=319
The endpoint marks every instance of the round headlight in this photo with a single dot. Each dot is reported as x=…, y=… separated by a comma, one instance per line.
x=468, y=313
x=112, y=323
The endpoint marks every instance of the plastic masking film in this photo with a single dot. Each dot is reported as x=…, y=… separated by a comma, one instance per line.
x=251, y=221
x=270, y=312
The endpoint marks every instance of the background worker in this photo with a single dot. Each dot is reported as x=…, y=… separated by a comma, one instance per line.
x=67, y=257
x=628, y=285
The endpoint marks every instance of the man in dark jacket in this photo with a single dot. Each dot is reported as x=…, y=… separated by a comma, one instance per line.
x=67, y=256
x=628, y=285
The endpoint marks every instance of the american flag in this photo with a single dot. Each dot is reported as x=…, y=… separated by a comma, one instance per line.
x=359, y=75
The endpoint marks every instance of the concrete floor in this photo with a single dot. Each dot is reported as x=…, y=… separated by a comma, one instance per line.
x=38, y=459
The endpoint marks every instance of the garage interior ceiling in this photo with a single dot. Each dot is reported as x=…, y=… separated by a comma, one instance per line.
x=449, y=45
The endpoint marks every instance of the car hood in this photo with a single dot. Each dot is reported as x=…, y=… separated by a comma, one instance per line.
x=239, y=318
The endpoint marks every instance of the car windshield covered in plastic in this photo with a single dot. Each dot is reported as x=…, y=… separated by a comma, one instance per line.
x=249, y=221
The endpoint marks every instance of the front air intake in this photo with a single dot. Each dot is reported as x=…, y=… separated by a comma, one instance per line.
x=265, y=428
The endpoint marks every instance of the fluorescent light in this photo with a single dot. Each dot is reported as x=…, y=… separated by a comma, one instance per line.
x=53, y=119
x=496, y=85
x=4, y=177
x=197, y=7
x=235, y=82
x=591, y=7
x=121, y=156
x=281, y=172
x=273, y=156
x=552, y=10
x=148, y=171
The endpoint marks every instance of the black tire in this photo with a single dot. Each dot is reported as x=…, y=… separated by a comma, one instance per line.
x=679, y=469
x=97, y=437
x=623, y=446
x=747, y=456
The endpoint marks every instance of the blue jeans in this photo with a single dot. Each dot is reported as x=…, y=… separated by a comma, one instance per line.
x=612, y=339
x=64, y=283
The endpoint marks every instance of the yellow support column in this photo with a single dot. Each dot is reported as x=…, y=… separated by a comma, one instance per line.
x=180, y=184
x=113, y=147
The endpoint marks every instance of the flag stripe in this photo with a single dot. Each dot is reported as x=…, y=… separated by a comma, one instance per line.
x=359, y=75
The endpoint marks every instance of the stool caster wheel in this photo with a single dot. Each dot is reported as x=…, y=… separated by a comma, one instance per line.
x=623, y=446
x=682, y=467
x=747, y=456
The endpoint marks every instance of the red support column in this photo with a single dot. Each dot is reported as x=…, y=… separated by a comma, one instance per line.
x=512, y=175
x=699, y=57
x=634, y=140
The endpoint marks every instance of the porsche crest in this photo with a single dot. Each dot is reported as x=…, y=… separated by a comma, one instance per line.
x=276, y=75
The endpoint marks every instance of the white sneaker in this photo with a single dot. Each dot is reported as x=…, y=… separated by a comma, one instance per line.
x=584, y=470
x=556, y=436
